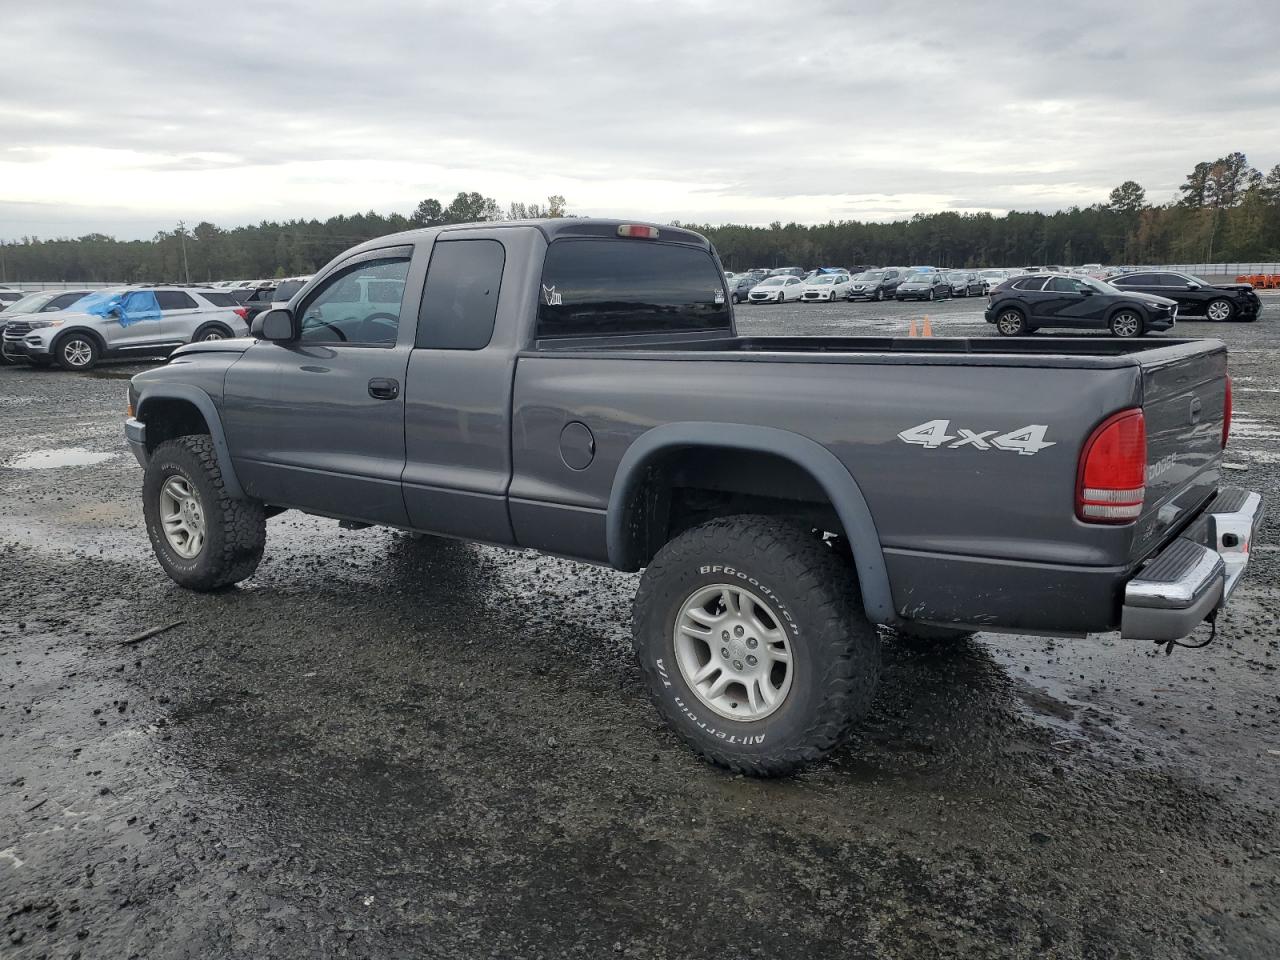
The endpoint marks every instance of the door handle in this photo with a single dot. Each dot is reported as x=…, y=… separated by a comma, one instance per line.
x=384, y=388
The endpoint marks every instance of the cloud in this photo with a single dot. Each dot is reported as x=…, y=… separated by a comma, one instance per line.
x=703, y=111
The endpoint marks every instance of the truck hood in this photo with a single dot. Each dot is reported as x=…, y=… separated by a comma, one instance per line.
x=238, y=345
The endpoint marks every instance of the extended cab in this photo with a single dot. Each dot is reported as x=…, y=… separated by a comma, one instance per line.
x=578, y=387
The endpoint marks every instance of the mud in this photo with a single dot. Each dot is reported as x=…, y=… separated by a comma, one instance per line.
x=386, y=747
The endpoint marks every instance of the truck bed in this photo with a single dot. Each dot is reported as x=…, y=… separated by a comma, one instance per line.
x=1087, y=352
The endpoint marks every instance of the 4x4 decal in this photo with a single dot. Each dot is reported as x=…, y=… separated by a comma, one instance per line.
x=932, y=434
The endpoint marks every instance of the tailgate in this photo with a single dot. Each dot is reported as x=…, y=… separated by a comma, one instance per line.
x=1184, y=404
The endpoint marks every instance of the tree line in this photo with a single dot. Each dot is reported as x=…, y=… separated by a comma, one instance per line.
x=1226, y=211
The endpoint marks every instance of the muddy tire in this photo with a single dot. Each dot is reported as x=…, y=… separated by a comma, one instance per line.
x=204, y=538
x=753, y=643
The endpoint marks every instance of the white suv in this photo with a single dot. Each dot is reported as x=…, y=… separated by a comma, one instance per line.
x=124, y=321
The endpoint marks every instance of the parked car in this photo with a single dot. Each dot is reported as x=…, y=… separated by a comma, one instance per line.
x=778, y=289
x=741, y=284
x=930, y=285
x=257, y=299
x=965, y=283
x=1215, y=301
x=621, y=427
x=992, y=278
x=827, y=287
x=45, y=301
x=124, y=321
x=875, y=284
x=8, y=297
x=1028, y=303
x=797, y=272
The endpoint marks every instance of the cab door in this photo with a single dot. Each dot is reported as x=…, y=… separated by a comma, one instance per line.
x=318, y=423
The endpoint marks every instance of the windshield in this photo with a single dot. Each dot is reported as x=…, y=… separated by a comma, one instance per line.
x=871, y=275
x=772, y=282
x=1194, y=279
x=918, y=278
x=994, y=274
x=31, y=303
x=817, y=281
x=957, y=276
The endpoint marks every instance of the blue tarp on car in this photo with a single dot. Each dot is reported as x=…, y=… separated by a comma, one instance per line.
x=128, y=308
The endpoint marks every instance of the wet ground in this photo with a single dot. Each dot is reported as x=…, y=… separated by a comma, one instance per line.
x=384, y=747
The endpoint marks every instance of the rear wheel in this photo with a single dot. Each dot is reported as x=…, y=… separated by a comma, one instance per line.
x=211, y=332
x=1011, y=323
x=1219, y=310
x=753, y=643
x=1126, y=324
x=76, y=351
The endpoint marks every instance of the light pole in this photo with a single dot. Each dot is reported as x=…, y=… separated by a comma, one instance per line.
x=182, y=237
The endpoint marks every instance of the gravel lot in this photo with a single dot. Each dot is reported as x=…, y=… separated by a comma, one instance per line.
x=382, y=747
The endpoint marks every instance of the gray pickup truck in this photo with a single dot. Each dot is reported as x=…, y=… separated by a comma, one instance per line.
x=577, y=387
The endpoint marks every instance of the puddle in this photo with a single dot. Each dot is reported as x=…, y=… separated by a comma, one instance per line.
x=60, y=457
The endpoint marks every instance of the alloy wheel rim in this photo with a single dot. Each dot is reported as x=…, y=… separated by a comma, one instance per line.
x=182, y=517
x=1219, y=311
x=1010, y=323
x=733, y=652
x=77, y=353
x=1126, y=325
x=212, y=335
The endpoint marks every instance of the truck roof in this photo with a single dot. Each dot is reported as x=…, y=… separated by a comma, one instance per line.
x=554, y=228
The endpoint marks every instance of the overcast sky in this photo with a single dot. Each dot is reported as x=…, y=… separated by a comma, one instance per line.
x=124, y=117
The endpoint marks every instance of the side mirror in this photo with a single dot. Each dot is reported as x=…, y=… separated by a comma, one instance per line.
x=1191, y=285
x=1088, y=291
x=275, y=325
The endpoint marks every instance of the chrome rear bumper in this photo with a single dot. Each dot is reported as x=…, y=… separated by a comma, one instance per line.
x=1195, y=574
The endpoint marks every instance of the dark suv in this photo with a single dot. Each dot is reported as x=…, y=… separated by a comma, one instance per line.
x=1023, y=304
x=875, y=284
x=1216, y=301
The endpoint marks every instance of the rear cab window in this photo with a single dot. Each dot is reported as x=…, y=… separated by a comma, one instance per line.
x=594, y=287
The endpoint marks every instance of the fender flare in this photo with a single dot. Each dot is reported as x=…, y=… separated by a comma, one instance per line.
x=832, y=475
x=204, y=403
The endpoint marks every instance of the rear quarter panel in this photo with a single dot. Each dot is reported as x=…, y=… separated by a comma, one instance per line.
x=962, y=500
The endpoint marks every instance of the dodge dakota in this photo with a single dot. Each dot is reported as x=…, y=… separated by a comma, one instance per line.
x=578, y=387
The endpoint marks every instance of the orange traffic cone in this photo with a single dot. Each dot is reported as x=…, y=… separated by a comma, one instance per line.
x=913, y=327
x=928, y=330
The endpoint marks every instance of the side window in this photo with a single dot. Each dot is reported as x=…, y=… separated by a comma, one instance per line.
x=1136, y=280
x=620, y=287
x=61, y=303
x=174, y=300
x=218, y=299
x=460, y=298
x=1064, y=285
x=359, y=304
x=1032, y=283
x=1171, y=280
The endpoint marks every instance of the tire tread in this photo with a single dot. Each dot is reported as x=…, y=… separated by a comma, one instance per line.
x=842, y=637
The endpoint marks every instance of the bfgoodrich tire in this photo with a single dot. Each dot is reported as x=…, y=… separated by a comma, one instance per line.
x=204, y=538
x=741, y=603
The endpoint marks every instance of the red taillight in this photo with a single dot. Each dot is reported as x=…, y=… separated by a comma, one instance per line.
x=241, y=312
x=1113, y=470
x=638, y=230
x=1226, y=415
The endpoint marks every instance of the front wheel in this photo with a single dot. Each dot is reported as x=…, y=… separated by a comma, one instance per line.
x=753, y=643
x=1219, y=310
x=1126, y=324
x=203, y=537
x=931, y=295
x=76, y=351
